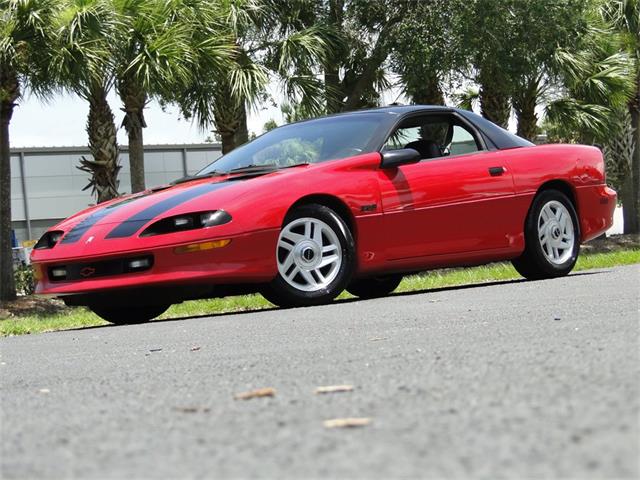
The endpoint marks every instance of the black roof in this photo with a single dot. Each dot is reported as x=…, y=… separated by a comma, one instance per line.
x=494, y=135
x=402, y=109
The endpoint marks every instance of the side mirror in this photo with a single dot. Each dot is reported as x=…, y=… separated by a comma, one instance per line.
x=396, y=158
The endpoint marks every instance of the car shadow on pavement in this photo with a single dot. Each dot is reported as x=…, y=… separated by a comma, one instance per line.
x=472, y=285
x=351, y=300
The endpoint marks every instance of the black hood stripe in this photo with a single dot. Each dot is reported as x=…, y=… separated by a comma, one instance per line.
x=134, y=223
x=81, y=228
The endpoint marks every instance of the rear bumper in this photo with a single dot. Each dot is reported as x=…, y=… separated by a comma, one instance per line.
x=249, y=258
x=596, y=205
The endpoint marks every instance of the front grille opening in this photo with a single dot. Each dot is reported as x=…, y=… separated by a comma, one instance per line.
x=103, y=268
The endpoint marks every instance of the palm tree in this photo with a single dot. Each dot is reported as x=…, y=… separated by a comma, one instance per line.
x=596, y=80
x=24, y=44
x=618, y=152
x=157, y=48
x=265, y=45
x=81, y=62
x=356, y=70
x=624, y=15
x=424, y=54
x=600, y=81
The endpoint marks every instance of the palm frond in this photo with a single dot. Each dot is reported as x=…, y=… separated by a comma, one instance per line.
x=247, y=80
x=467, y=98
x=569, y=116
x=307, y=91
x=81, y=53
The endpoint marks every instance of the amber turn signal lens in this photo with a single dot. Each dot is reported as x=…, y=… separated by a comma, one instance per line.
x=199, y=247
x=37, y=272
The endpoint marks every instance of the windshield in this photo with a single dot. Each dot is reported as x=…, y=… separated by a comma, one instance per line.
x=313, y=141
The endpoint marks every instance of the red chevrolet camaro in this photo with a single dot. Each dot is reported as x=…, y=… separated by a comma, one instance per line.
x=351, y=201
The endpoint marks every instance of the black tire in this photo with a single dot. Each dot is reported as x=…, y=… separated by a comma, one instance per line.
x=535, y=262
x=282, y=293
x=374, y=287
x=129, y=315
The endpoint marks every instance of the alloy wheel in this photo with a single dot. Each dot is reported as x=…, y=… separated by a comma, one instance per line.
x=309, y=254
x=556, y=232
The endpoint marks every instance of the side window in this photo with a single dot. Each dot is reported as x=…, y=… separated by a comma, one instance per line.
x=434, y=136
x=462, y=142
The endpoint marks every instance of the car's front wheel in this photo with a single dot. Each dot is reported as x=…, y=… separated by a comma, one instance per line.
x=129, y=315
x=315, y=255
x=552, y=237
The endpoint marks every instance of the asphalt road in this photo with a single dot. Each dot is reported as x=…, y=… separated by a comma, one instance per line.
x=511, y=380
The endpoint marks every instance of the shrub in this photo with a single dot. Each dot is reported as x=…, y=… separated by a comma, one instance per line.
x=25, y=281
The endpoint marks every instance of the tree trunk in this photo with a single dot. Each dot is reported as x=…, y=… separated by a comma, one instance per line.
x=524, y=102
x=525, y=109
x=226, y=117
x=103, y=144
x=332, y=68
x=228, y=141
x=527, y=123
x=242, y=131
x=134, y=100
x=356, y=90
x=226, y=127
x=10, y=89
x=494, y=100
x=426, y=91
x=629, y=212
x=631, y=189
x=136, y=158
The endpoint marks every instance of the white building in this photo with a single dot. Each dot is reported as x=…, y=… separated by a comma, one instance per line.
x=46, y=185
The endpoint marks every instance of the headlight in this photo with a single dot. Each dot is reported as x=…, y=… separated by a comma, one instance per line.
x=189, y=221
x=49, y=240
x=183, y=222
x=211, y=219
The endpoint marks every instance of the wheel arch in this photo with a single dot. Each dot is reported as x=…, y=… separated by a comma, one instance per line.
x=563, y=187
x=329, y=201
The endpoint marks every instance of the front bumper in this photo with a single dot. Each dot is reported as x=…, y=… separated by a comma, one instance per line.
x=248, y=258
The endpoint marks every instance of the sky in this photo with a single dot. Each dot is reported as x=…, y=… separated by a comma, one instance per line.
x=61, y=121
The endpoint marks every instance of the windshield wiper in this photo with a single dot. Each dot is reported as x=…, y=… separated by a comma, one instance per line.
x=268, y=167
x=295, y=165
x=189, y=178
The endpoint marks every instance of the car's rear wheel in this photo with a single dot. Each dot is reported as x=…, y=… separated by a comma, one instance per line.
x=552, y=237
x=315, y=256
x=129, y=315
x=374, y=287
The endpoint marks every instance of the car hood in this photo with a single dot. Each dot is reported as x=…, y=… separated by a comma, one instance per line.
x=129, y=214
x=114, y=227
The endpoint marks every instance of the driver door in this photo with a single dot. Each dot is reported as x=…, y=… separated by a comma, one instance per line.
x=456, y=200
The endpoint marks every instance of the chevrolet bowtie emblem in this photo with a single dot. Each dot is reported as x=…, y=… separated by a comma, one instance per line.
x=87, y=272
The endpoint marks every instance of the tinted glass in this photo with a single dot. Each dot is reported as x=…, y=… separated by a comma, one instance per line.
x=434, y=136
x=500, y=137
x=462, y=142
x=314, y=141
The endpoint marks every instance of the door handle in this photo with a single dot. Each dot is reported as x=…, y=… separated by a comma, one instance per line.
x=496, y=171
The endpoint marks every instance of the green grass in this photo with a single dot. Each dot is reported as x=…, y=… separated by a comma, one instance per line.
x=81, y=317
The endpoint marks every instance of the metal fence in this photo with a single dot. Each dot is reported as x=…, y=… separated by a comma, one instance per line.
x=46, y=185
